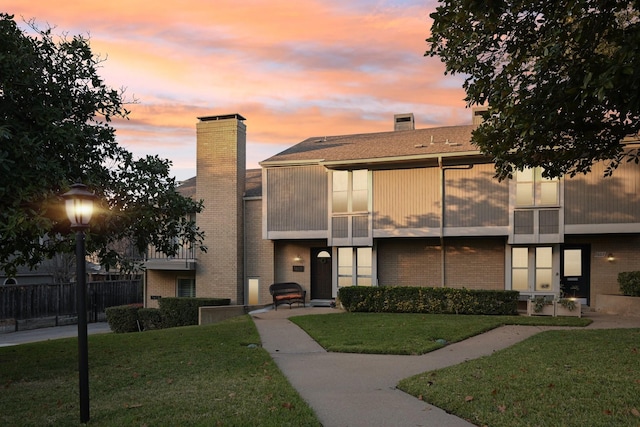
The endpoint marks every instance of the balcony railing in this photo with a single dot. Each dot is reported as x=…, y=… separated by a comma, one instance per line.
x=185, y=259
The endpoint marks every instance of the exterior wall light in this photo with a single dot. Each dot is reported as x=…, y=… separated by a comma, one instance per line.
x=610, y=257
x=79, y=207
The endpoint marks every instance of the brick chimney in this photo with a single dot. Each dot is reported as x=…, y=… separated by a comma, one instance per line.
x=403, y=122
x=221, y=171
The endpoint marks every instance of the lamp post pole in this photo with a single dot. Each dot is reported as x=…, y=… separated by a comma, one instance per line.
x=79, y=207
x=83, y=347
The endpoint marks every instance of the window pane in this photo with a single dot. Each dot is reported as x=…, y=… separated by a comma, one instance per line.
x=525, y=175
x=520, y=257
x=345, y=266
x=544, y=257
x=340, y=201
x=543, y=279
x=364, y=262
x=340, y=180
x=360, y=202
x=360, y=193
x=340, y=191
x=186, y=288
x=549, y=193
x=572, y=262
x=524, y=194
x=520, y=279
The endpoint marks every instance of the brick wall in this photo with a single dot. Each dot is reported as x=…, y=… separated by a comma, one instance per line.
x=604, y=274
x=221, y=158
x=259, y=252
x=470, y=263
x=160, y=283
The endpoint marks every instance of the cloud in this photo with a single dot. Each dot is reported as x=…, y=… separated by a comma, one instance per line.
x=293, y=69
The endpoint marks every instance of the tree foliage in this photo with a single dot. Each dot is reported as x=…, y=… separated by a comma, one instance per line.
x=561, y=77
x=55, y=114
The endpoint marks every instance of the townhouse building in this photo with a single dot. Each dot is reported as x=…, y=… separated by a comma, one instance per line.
x=409, y=207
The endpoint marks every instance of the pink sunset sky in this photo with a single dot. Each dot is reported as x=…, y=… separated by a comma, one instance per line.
x=293, y=69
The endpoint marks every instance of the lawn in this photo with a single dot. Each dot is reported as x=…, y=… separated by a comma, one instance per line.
x=562, y=378
x=189, y=376
x=390, y=333
x=556, y=378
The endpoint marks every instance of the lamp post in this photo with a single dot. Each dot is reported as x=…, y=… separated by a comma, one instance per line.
x=79, y=207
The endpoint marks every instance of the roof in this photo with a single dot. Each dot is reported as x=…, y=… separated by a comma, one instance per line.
x=409, y=144
x=252, y=186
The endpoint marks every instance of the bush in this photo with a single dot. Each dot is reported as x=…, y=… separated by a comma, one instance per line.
x=629, y=282
x=123, y=318
x=184, y=311
x=403, y=299
x=150, y=318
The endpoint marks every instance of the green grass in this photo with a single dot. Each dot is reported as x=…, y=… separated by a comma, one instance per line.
x=565, y=378
x=189, y=376
x=390, y=333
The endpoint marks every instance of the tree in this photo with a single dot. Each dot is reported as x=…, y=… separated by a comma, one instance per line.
x=561, y=78
x=54, y=130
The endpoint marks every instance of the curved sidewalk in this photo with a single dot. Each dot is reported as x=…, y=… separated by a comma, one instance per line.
x=350, y=390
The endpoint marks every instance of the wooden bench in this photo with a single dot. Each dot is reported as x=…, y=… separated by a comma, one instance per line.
x=287, y=293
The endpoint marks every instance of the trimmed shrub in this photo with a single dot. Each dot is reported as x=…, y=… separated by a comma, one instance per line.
x=184, y=311
x=629, y=282
x=150, y=318
x=409, y=299
x=123, y=318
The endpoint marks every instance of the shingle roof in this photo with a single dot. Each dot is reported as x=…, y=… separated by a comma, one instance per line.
x=252, y=186
x=395, y=144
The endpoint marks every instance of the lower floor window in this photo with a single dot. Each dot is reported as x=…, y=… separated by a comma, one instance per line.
x=532, y=268
x=355, y=266
x=186, y=287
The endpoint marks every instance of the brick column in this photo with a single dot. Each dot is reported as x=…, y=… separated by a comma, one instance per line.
x=221, y=170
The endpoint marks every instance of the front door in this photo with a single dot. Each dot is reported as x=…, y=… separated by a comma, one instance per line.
x=575, y=267
x=321, y=276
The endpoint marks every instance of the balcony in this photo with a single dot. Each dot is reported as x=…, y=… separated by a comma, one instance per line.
x=184, y=260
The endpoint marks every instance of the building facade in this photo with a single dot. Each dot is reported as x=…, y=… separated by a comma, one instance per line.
x=408, y=207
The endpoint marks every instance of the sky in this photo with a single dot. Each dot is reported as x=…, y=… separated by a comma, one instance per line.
x=293, y=68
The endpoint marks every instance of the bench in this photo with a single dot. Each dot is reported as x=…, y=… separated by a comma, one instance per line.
x=287, y=293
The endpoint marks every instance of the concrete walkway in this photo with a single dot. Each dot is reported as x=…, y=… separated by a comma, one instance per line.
x=360, y=389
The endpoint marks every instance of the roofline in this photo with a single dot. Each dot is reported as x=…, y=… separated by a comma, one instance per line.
x=290, y=162
x=221, y=117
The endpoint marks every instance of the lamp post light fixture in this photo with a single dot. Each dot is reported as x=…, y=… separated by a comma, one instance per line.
x=79, y=207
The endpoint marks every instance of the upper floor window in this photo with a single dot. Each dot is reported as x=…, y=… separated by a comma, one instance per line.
x=350, y=191
x=532, y=189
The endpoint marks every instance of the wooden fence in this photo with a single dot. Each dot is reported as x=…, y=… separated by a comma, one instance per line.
x=21, y=302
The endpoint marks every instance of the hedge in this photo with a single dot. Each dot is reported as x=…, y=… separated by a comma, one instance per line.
x=629, y=282
x=150, y=318
x=403, y=299
x=172, y=312
x=184, y=311
x=123, y=318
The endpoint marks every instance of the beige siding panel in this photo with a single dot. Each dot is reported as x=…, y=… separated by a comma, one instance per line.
x=406, y=198
x=593, y=199
x=474, y=198
x=297, y=198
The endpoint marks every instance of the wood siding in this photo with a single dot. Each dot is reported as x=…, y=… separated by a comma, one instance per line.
x=593, y=199
x=410, y=198
x=297, y=198
x=474, y=198
x=406, y=198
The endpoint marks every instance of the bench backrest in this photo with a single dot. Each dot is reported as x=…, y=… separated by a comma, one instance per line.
x=286, y=287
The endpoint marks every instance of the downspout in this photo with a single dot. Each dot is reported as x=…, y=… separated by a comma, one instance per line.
x=442, y=213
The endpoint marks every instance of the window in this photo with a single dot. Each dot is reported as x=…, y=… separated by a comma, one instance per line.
x=355, y=266
x=186, y=287
x=350, y=191
x=532, y=269
x=532, y=189
x=10, y=281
